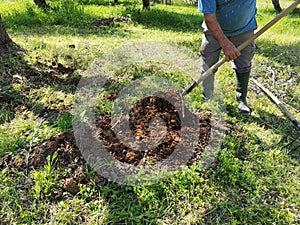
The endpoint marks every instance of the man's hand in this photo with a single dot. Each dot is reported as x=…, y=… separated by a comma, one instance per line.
x=230, y=51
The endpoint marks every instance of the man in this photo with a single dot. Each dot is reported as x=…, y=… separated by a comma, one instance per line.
x=227, y=24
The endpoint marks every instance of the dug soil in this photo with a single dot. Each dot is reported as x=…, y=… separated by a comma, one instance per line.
x=142, y=113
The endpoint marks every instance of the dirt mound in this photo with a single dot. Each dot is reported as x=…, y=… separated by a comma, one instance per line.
x=166, y=132
x=140, y=122
x=63, y=143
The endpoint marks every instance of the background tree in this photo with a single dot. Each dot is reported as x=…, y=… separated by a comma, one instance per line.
x=41, y=3
x=6, y=43
x=4, y=38
x=276, y=5
x=146, y=4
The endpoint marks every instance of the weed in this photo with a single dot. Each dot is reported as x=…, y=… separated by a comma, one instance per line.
x=64, y=121
x=45, y=179
x=66, y=12
x=6, y=112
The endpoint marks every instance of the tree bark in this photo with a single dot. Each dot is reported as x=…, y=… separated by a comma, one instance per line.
x=276, y=5
x=168, y=2
x=7, y=46
x=41, y=4
x=4, y=38
x=146, y=4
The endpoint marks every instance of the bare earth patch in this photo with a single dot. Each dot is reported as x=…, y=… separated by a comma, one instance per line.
x=69, y=156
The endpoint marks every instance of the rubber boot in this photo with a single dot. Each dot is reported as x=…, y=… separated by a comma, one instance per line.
x=241, y=92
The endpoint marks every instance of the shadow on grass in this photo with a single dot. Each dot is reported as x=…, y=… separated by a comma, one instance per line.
x=109, y=2
x=284, y=127
x=270, y=11
x=284, y=54
x=79, y=22
x=247, y=184
x=44, y=31
x=71, y=20
x=126, y=207
x=165, y=20
x=19, y=79
x=280, y=125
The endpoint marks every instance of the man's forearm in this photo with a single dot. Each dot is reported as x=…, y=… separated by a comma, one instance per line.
x=215, y=29
x=231, y=52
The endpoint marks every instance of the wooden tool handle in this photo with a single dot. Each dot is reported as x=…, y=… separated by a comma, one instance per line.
x=278, y=103
x=214, y=68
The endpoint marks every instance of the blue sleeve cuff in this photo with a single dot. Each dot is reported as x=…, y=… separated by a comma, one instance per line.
x=207, y=6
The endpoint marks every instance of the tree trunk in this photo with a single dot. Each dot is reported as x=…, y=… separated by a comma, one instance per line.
x=276, y=5
x=4, y=38
x=7, y=46
x=146, y=4
x=168, y=2
x=41, y=4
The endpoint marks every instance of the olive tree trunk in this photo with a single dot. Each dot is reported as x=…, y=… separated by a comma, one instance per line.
x=7, y=46
x=146, y=4
x=41, y=3
x=276, y=5
x=4, y=38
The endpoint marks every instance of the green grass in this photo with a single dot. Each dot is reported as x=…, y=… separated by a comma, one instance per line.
x=256, y=177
